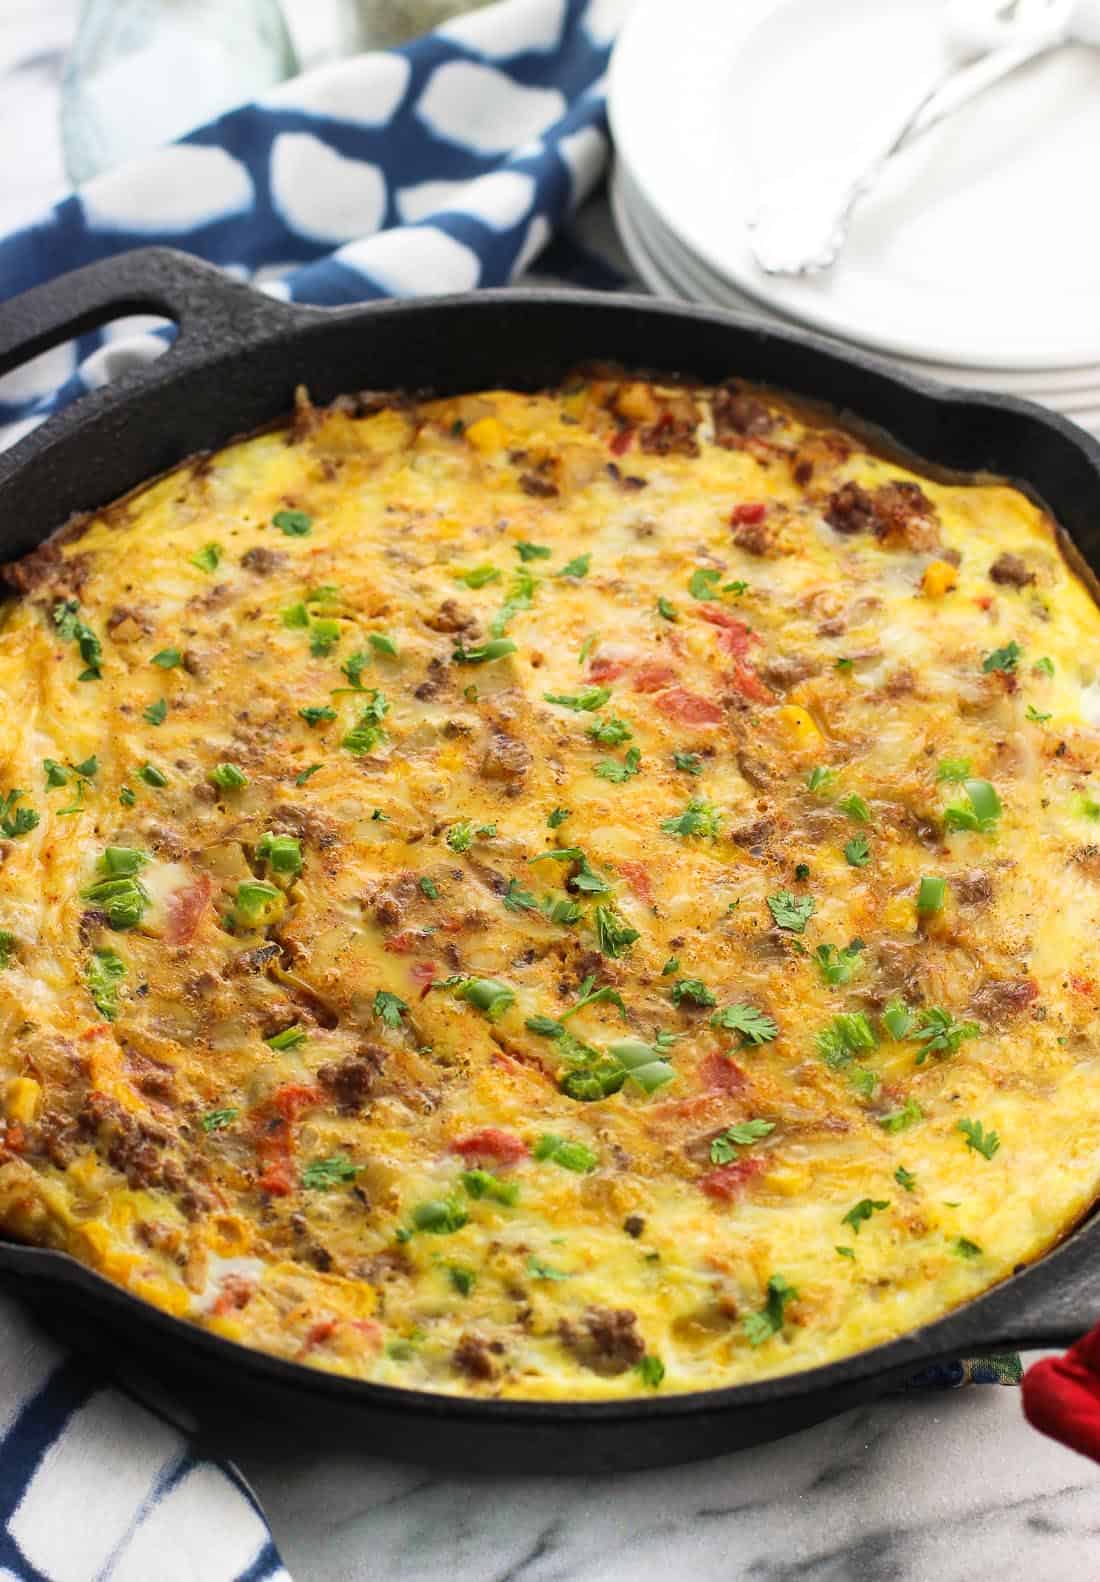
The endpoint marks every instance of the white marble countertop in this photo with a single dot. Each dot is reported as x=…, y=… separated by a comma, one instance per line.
x=928, y=1488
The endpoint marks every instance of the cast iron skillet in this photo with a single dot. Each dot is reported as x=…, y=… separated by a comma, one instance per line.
x=233, y=367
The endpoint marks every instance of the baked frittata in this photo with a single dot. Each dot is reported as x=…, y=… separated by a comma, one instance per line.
x=553, y=895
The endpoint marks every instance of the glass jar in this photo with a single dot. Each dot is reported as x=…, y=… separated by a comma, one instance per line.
x=143, y=72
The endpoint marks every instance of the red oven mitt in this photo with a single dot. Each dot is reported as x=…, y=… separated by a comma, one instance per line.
x=1062, y=1396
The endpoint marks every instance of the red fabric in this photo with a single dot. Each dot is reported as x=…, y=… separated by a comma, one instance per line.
x=1062, y=1396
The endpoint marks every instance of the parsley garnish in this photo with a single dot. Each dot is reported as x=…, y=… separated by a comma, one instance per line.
x=156, y=712
x=690, y=763
x=580, y=702
x=671, y=965
x=295, y=524
x=613, y=936
x=791, y=912
x=939, y=1033
x=835, y=965
x=314, y=716
x=368, y=731
x=723, y=1149
x=321, y=1174
x=217, y=1120
x=820, y=778
x=755, y=1027
x=382, y=644
x=858, y=851
x=609, y=733
x=478, y=576
x=527, y=551
x=862, y=1211
x=557, y=817
x=901, y=1120
x=306, y=774
x=16, y=821
x=389, y=1008
x=856, y=808
x=1006, y=658
x=323, y=637
x=429, y=888
x=517, y=899
x=693, y=989
x=617, y=773
x=461, y=1278
x=897, y=1018
x=905, y=1178
x=698, y=818
x=1044, y=666
x=207, y=558
x=521, y=591
x=651, y=1371
x=846, y=1036
x=72, y=629
x=577, y=567
x=1033, y=713
x=982, y=1142
x=168, y=658
x=544, y=1271
x=759, y=1327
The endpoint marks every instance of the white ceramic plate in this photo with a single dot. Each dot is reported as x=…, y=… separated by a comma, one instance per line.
x=980, y=248
x=644, y=254
x=1067, y=388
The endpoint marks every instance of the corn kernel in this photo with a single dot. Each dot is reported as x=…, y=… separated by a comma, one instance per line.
x=22, y=1099
x=800, y=725
x=636, y=402
x=790, y=1180
x=486, y=434
x=940, y=576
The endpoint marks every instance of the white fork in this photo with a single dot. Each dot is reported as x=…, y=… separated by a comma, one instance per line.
x=795, y=233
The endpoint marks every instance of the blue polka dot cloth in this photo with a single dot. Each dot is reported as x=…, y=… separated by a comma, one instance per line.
x=451, y=164
x=447, y=165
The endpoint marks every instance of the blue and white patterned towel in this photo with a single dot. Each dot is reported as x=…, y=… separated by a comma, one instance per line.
x=443, y=166
x=447, y=165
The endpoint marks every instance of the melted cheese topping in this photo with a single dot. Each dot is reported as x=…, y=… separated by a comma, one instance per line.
x=589, y=750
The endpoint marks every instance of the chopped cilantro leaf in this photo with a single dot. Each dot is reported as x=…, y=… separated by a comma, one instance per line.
x=847, y=1036
x=207, y=558
x=156, y=712
x=577, y=567
x=901, y=1120
x=838, y=965
x=690, y=763
x=610, y=732
x=217, y=1120
x=611, y=769
x=478, y=576
x=939, y=1033
x=314, y=716
x=56, y=774
x=613, y=936
x=856, y=808
x=698, y=818
x=755, y=1027
x=527, y=551
x=517, y=899
x=693, y=989
x=295, y=524
x=723, y=1149
x=862, y=1211
x=759, y=1327
x=168, y=658
x=981, y=1141
x=671, y=965
x=651, y=1371
x=429, y=888
x=905, y=1178
x=306, y=774
x=820, y=778
x=389, y=1008
x=898, y=1019
x=963, y=1247
x=1044, y=666
x=580, y=702
x=791, y=912
x=703, y=583
x=557, y=817
x=103, y=975
x=322, y=1174
x=857, y=851
x=1006, y=658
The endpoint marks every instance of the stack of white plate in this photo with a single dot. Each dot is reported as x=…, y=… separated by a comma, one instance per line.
x=976, y=257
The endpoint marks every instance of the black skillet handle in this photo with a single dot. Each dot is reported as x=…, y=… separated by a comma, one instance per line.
x=213, y=314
